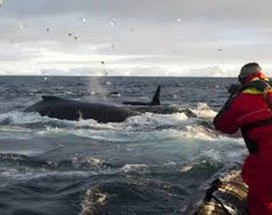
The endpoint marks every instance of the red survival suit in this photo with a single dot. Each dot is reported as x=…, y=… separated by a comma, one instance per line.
x=251, y=111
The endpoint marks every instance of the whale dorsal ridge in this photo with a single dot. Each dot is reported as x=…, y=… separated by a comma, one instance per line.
x=50, y=98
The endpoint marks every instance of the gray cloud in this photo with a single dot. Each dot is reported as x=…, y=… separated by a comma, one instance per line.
x=174, y=32
x=214, y=10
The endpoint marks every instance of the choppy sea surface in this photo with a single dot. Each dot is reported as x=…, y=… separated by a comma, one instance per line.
x=152, y=163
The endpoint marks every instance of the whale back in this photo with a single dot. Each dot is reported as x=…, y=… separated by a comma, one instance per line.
x=56, y=107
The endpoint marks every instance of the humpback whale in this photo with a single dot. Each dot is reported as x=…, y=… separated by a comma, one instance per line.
x=154, y=101
x=56, y=107
x=61, y=108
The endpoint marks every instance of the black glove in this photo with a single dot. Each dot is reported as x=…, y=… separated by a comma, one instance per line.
x=234, y=88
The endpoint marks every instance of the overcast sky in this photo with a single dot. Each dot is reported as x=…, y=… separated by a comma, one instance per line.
x=134, y=37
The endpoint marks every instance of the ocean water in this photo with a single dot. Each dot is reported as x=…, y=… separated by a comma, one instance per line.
x=152, y=163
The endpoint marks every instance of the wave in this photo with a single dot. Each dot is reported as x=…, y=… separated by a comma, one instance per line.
x=18, y=163
x=18, y=117
x=140, y=193
x=30, y=124
x=21, y=161
x=135, y=196
x=139, y=188
x=203, y=111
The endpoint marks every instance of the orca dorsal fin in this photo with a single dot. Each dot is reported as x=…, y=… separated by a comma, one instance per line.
x=50, y=98
x=156, y=98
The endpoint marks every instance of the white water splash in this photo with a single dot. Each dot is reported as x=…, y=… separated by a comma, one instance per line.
x=203, y=111
x=134, y=167
x=199, y=132
x=91, y=200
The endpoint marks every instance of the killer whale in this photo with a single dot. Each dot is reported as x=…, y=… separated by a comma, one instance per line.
x=61, y=108
x=154, y=101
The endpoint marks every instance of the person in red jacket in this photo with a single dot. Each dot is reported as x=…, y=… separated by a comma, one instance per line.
x=250, y=110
